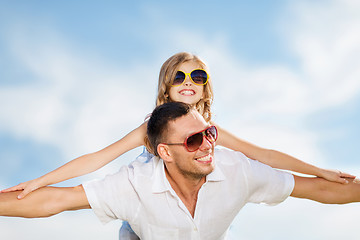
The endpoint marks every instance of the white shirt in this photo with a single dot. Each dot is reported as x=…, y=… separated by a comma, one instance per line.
x=141, y=194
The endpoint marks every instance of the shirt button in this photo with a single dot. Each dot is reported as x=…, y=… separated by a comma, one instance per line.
x=195, y=229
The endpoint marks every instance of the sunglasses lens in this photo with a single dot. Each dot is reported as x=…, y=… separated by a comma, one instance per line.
x=194, y=142
x=199, y=76
x=179, y=78
x=211, y=134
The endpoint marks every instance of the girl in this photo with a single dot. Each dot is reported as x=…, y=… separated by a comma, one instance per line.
x=184, y=78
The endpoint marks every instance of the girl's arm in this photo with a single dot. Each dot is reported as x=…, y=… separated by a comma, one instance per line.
x=277, y=159
x=84, y=164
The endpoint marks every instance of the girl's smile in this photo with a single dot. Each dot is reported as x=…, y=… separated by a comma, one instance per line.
x=187, y=92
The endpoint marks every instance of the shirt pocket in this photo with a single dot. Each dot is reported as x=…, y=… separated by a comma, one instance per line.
x=160, y=233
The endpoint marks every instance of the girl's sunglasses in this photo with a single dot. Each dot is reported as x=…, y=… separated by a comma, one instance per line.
x=197, y=76
x=194, y=141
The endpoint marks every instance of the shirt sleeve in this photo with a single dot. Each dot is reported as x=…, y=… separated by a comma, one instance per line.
x=266, y=184
x=112, y=197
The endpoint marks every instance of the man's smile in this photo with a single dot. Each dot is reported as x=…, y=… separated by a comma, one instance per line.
x=205, y=159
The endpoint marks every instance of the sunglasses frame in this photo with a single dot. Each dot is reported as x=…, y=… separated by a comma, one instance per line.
x=189, y=74
x=203, y=135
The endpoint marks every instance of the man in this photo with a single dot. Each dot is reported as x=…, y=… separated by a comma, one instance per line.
x=191, y=192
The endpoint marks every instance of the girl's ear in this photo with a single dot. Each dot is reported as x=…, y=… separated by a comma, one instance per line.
x=164, y=153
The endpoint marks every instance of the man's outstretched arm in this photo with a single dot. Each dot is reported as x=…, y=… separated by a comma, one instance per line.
x=44, y=202
x=324, y=191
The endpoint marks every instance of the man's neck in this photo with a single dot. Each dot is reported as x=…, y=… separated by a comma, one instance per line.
x=186, y=188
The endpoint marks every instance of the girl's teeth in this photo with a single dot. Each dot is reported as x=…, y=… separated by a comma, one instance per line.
x=187, y=92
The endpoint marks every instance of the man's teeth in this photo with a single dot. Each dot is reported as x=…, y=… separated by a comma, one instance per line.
x=204, y=159
x=187, y=93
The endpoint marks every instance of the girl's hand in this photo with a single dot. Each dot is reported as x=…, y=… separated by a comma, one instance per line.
x=27, y=188
x=336, y=176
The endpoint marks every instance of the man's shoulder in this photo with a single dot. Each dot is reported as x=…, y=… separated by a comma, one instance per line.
x=231, y=161
x=228, y=157
x=144, y=168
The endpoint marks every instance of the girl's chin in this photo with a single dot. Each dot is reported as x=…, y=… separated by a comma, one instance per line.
x=190, y=101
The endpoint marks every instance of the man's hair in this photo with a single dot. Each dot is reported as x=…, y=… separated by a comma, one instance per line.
x=159, y=120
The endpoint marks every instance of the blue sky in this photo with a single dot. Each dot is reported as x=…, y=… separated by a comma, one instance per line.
x=77, y=76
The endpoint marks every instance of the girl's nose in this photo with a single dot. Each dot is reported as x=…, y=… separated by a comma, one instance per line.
x=188, y=81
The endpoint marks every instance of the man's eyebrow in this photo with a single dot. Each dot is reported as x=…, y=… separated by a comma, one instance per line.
x=194, y=132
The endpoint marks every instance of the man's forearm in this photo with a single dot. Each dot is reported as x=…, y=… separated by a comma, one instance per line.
x=324, y=191
x=43, y=202
x=343, y=193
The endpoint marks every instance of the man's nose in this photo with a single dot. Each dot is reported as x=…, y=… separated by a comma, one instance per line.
x=206, y=144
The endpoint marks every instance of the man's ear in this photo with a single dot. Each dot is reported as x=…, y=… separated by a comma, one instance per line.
x=164, y=153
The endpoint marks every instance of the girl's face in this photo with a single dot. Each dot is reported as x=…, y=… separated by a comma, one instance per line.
x=188, y=92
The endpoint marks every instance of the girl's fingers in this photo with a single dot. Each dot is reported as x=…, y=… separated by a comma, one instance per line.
x=21, y=195
x=347, y=175
x=27, y=190
x=12, y=189
x=24, y=193
x=342, y=180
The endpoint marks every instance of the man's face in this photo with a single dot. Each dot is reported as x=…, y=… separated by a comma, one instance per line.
x=197, y=164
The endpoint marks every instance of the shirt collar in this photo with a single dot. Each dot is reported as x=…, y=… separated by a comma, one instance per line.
x=216, y=175
x=161, y=184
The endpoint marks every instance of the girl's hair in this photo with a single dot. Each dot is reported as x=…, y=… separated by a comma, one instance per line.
x=167, y=74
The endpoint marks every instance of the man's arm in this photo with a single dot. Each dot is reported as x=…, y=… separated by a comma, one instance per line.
x=44, y=202
x=323, y=191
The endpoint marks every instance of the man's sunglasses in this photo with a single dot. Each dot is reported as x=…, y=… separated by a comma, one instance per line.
x=197, y=76
x=194, y=141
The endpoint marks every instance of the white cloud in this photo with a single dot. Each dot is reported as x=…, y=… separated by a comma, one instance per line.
x=74, y=95
x=326, y=39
